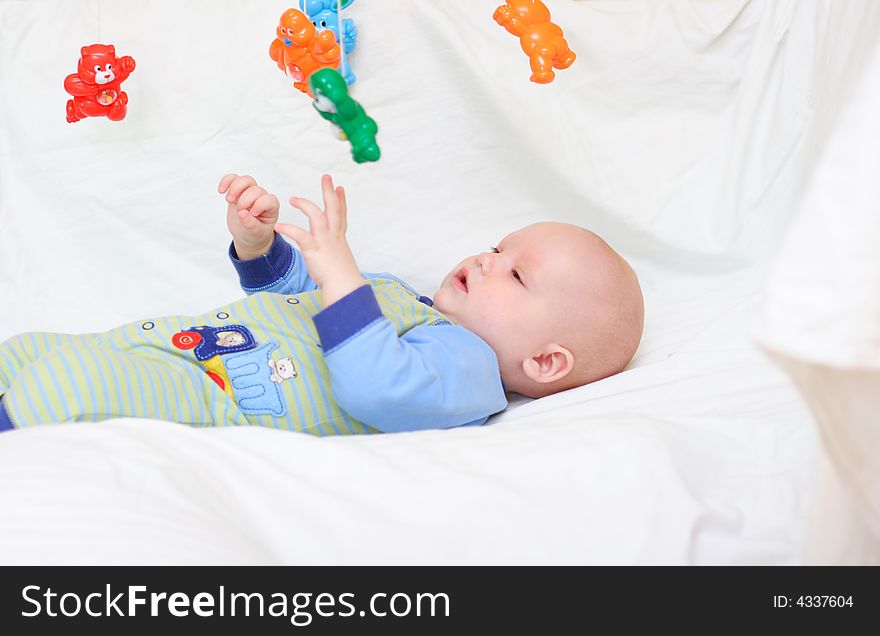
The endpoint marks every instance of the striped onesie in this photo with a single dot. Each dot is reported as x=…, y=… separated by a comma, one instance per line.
x=378, y=360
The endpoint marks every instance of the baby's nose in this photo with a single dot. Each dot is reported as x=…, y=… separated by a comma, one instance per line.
x=485, y=261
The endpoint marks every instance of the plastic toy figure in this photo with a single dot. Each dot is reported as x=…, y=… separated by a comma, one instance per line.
x=300, y=50
x=323, y=14
x=335, y=105
x=540, y=38
x=96, y=84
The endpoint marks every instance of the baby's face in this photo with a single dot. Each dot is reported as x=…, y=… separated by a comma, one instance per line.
x=511, y=295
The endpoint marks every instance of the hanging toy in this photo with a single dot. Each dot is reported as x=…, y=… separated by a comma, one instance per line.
x=299, y=50
x=327, y=14
x=540, y=38
x=96, y=86
x=334, y=104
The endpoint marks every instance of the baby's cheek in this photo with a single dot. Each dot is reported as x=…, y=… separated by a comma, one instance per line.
x=496, y=301
x=494, y=317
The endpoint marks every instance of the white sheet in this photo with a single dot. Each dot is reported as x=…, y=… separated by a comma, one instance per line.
x=681, y=134
x=821, y=322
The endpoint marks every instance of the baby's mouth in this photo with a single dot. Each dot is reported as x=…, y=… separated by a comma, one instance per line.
x=460, y=280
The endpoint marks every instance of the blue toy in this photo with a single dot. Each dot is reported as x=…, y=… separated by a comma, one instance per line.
x=323, y=14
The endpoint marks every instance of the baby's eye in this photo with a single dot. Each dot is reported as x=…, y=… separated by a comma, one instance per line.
x=494, y=250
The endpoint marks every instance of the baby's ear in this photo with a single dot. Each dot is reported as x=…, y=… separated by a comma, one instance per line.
x=552, y=363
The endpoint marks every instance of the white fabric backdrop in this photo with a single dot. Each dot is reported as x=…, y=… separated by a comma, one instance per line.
x=683, y=134
x=821, y=321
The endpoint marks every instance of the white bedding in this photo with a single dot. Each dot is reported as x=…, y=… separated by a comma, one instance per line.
x=683, y=134
x=821, y=323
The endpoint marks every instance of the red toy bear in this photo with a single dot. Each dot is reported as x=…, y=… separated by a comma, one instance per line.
x=300, y=49
x=540, y=38
x=96, y=84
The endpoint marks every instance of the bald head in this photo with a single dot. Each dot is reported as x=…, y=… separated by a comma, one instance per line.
x=604, y=317
x=596, y=308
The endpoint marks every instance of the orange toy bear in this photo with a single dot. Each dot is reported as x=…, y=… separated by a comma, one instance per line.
x=541, y=39
x=300, y=50
x=96, y=86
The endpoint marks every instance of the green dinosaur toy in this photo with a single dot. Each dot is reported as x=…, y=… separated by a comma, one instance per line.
x=334, y=104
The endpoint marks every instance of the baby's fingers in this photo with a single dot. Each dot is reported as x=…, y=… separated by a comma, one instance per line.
x=239, y=185
x=332, y=207
x=317, y=220
x=302, y=237
x=225, y=180
x=343, y=208
x=249, y=196
x=331, y=203
x=247, y=221
x=265, y=208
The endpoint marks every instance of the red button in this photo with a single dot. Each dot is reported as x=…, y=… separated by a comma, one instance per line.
x=186, y=339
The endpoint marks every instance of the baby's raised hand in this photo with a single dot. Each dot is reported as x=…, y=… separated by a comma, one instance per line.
x=324, y=247
x=250, y=216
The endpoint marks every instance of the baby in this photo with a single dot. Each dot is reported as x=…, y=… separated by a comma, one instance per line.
x=320, y=347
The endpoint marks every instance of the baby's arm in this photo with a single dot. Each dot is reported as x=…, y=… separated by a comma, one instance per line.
x=264, y=261
x=433, y=376
x=326, y=251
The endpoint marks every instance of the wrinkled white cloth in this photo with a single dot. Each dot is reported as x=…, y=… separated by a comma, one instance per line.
x=683, y=134
x=821, y=321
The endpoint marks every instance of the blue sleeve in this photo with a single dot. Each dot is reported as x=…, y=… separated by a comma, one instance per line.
x=281, y=270
x=433, y=376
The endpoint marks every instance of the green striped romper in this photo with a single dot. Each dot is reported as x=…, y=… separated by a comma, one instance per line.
x=255, y=362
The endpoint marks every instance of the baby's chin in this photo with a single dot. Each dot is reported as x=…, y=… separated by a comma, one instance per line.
x=441, y=306
x=439, y=298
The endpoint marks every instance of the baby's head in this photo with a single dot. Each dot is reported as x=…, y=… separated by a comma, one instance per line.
x=559, y=307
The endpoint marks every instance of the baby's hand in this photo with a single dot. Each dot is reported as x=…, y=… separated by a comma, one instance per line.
x=251, y=215
x=324, y=247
